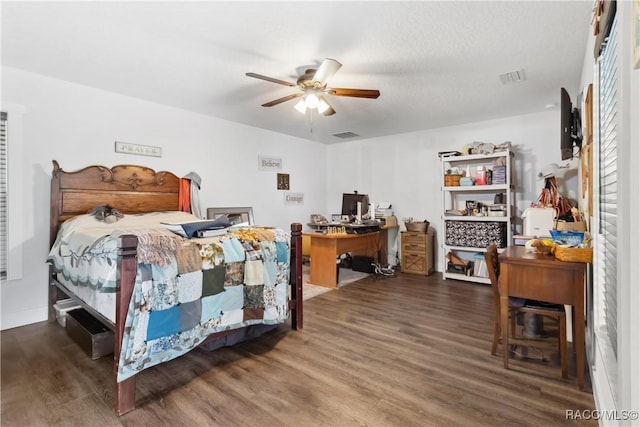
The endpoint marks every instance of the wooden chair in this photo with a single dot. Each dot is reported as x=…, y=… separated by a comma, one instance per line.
x=520, y=305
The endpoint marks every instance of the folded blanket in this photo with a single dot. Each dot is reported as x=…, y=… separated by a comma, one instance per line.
x=155, y=246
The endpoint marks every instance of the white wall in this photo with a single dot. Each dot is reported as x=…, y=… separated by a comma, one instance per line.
x=77, y=126
x=406, y=171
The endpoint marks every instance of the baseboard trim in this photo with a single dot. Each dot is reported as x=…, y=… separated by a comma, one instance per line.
x=23, y=318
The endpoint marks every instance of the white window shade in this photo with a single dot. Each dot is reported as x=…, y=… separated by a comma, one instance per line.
x=4, y=238
x=12, y=181
x=608, y=194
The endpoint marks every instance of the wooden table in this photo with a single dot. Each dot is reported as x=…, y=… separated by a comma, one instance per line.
x=530, y=275
x=325, y=249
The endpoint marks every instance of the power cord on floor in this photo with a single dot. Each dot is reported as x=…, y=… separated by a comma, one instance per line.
x=388, y=271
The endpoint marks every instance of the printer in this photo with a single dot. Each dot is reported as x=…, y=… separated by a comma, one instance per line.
x=538, y=222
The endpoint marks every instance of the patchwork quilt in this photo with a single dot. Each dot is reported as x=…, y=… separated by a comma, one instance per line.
x=186, y=289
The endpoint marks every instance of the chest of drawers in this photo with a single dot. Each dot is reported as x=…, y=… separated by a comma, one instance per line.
x=417, y=252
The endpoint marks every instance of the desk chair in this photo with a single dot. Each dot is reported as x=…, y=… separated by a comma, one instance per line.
x=521, y=305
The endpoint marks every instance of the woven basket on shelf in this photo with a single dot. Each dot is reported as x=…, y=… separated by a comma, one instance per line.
x=420, y=227
x=573, y=254
x=452, y=180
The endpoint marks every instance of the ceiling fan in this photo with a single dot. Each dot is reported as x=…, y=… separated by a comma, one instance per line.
x=312, y=87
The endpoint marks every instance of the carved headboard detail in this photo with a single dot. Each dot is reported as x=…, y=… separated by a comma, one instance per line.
x=130, y=189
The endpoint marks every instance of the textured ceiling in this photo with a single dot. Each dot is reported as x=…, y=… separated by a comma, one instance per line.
x=435, y=63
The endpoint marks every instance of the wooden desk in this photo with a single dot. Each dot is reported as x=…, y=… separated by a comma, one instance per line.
x=325, y=249
x=541, y=277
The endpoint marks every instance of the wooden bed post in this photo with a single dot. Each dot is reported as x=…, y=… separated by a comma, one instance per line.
x=125, y=391
x=54, y=219
x=295, y=277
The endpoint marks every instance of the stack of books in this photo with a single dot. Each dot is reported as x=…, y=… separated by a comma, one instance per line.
x=480, y=266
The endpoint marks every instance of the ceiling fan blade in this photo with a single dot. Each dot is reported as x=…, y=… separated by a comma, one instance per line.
x=283, y=99
x=269, y=79
x=358, y=93
x=326, y=70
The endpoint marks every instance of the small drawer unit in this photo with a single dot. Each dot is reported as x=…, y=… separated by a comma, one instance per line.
x=417, y=252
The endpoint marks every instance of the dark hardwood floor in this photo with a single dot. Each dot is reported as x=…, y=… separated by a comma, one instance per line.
x=409, y=351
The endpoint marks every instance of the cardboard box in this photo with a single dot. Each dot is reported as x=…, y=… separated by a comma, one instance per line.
x=570, y=226
x=96, y=339
x=390, y=221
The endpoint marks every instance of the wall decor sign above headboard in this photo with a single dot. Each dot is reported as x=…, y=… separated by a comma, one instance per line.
x=140, y=150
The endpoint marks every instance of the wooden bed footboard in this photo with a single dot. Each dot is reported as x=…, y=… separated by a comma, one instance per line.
x=135, y=189
x=127, y=266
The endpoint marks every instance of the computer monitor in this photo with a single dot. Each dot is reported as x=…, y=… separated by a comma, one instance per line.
x=350, y=204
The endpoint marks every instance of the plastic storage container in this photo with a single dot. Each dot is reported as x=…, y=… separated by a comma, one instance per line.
x=62, y=307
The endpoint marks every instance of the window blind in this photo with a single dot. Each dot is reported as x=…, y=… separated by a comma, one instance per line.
x=608, y=195
x=4, y=238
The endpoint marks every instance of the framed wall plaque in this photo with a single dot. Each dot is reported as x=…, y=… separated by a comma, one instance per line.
x=236, y=215
x=283, y=181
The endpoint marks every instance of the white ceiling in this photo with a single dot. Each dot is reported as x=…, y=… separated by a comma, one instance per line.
x=435, y=63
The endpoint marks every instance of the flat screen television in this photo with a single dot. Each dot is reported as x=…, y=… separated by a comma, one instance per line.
x=350, y=204
x=570, y=126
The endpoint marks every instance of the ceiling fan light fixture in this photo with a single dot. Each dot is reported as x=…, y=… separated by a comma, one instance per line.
x=329, y=111
x=322, y=106
x=312, y=101
x=301, y=106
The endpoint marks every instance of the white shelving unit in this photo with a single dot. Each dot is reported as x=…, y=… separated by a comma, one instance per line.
x=475, y=237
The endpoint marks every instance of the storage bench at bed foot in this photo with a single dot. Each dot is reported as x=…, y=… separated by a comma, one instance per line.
x=89, y=333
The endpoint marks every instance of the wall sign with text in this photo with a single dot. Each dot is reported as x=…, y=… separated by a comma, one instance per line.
x=269, y=164
x=140, y=150
x=294, y=199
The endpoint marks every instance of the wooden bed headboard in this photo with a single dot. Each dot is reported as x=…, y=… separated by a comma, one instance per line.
x=130, y=189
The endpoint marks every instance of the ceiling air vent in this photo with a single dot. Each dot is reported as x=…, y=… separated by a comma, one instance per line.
x=345, y=135
x=512, y=77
